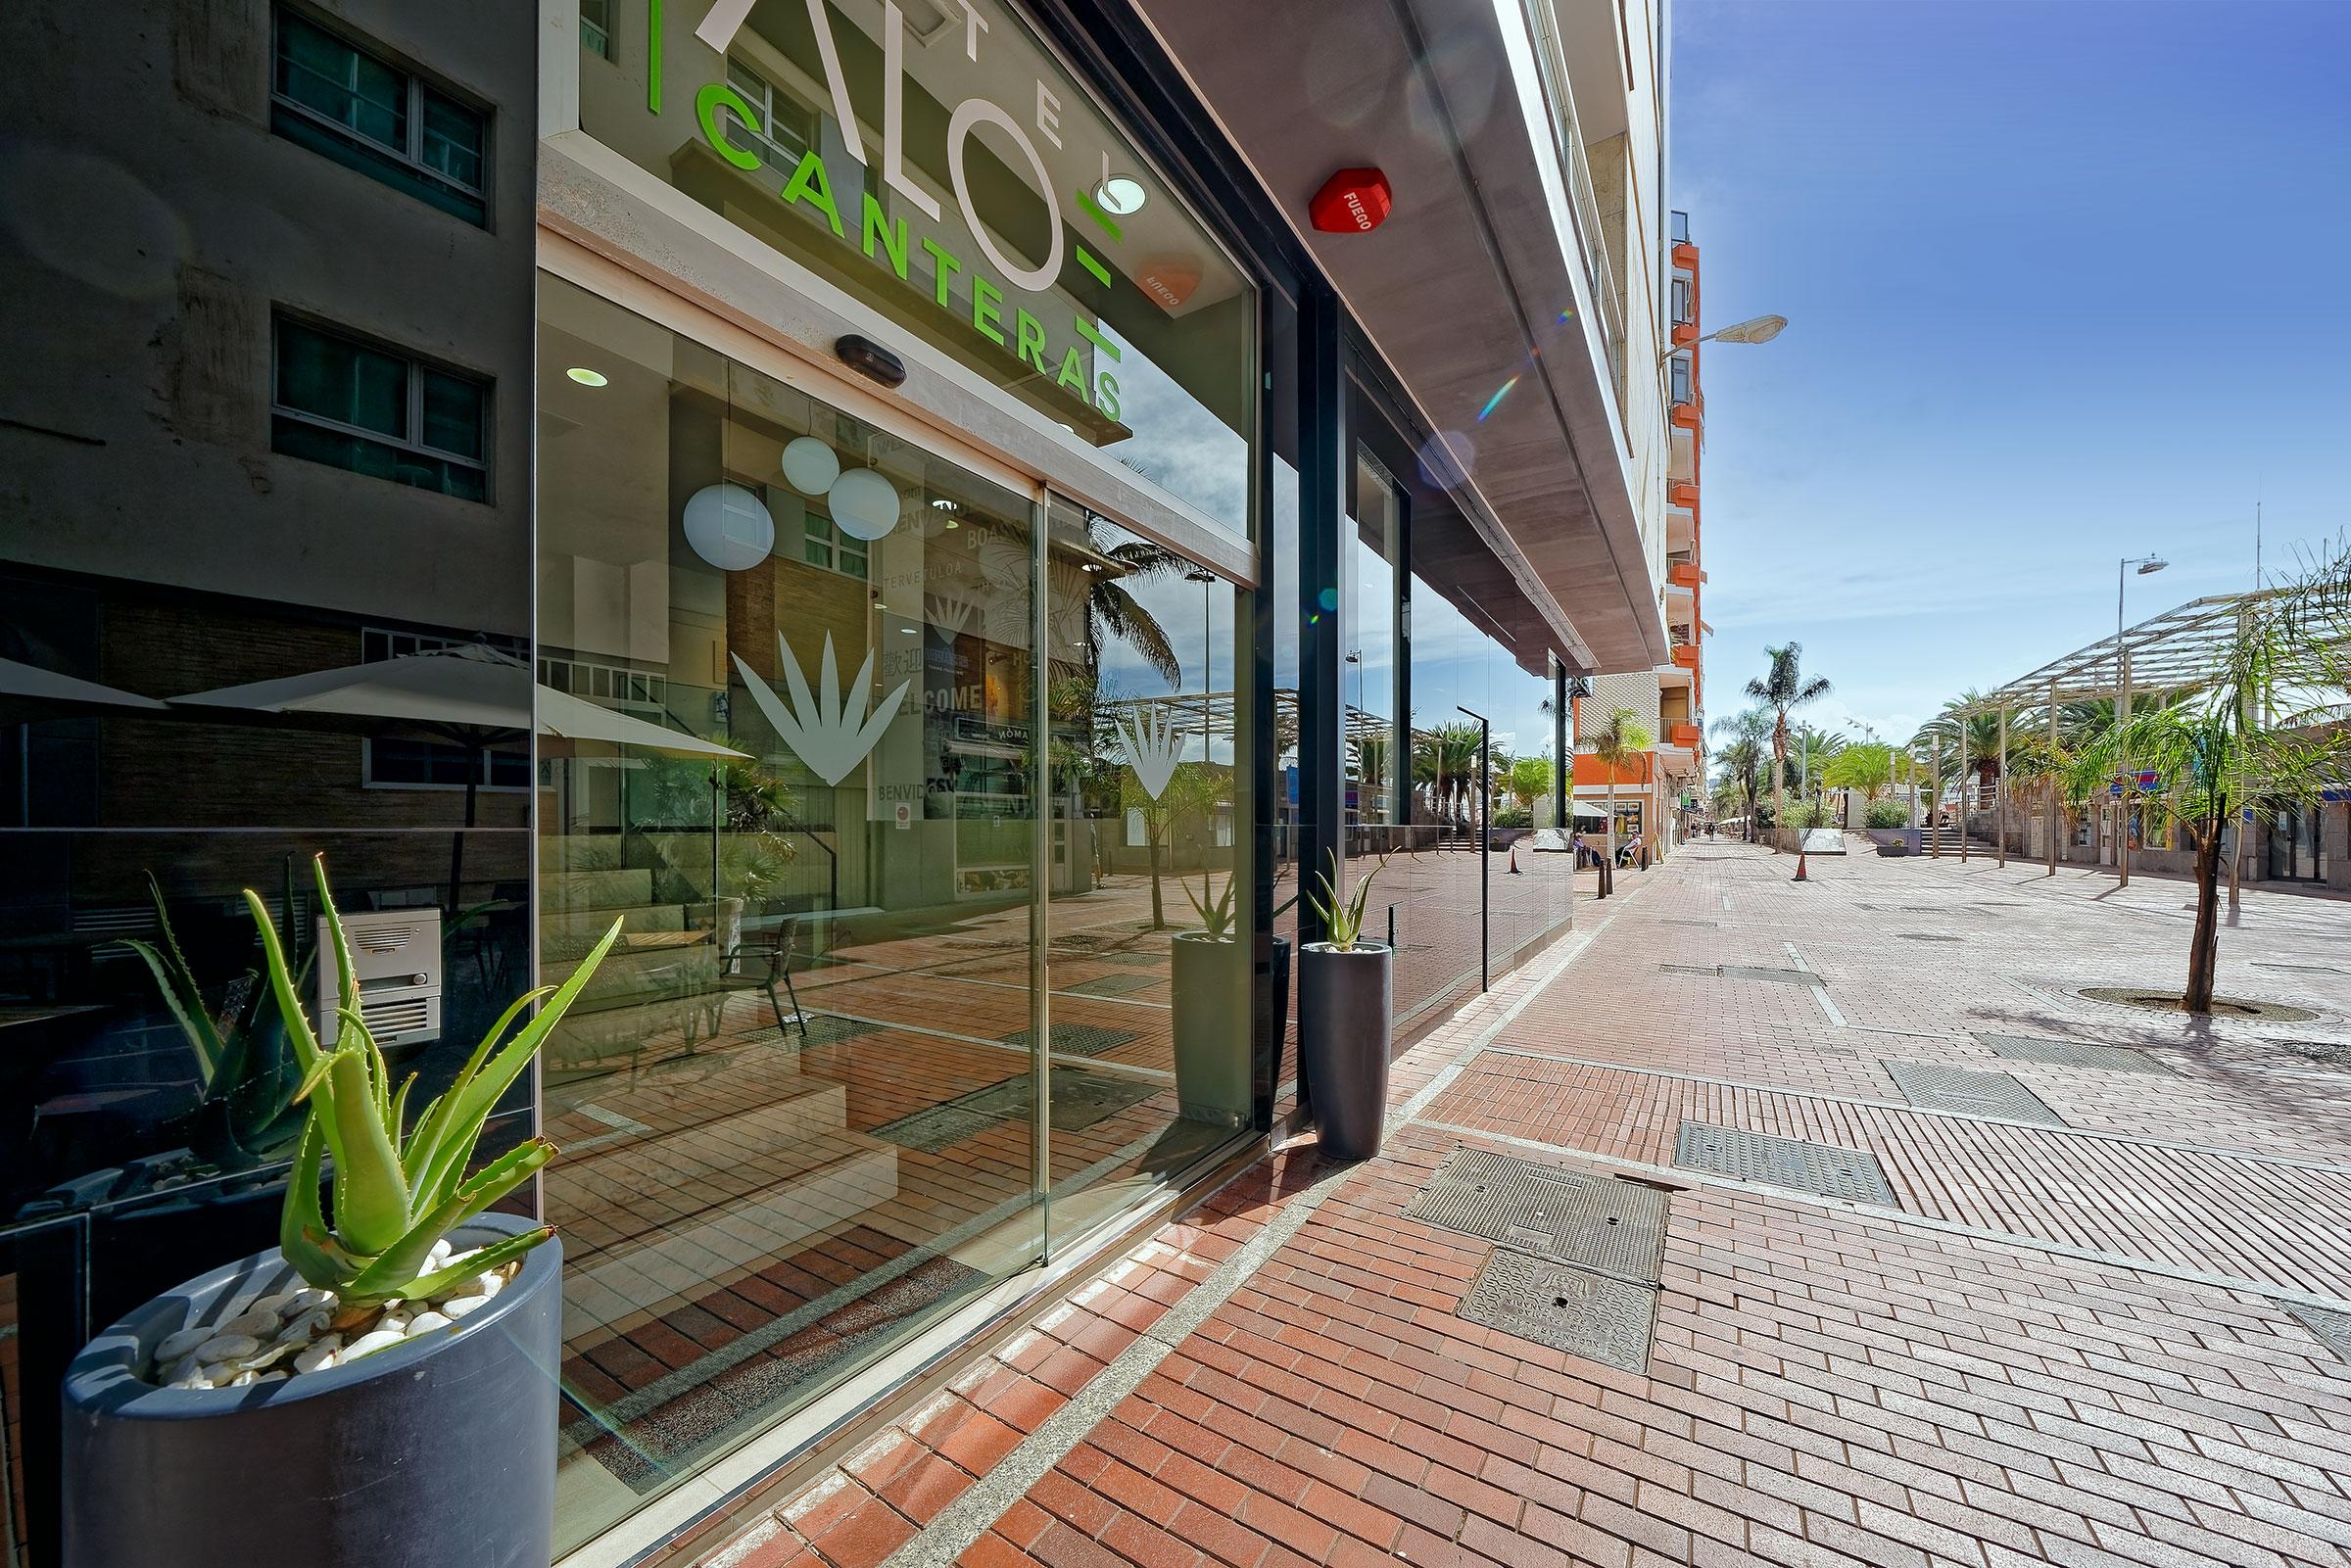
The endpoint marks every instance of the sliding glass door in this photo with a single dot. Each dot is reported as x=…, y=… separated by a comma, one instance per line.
x=919, y=807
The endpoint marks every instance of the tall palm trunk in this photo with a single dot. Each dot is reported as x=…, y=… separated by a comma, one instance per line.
x=1608, y=839
x=2203, y=949
x=1779, y=798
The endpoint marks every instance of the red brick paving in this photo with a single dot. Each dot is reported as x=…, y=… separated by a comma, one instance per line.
x=1829, y=1384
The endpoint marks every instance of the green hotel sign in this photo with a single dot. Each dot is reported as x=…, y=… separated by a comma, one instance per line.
x=1043, y=341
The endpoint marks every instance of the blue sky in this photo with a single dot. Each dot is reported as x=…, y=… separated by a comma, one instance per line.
x=2059, y=281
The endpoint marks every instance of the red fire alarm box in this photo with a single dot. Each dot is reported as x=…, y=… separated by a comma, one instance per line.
x=1354, y=201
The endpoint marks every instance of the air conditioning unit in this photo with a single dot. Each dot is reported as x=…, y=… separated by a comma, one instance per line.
x=396, y=960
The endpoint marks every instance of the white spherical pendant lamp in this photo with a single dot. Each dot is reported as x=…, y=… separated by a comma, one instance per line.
x=810, y=466
x=729, y=527
x=864, y=504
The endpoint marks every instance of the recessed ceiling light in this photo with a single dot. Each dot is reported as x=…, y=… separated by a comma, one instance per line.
x=585, y=376
x=1120, y=194
x=1092, y=567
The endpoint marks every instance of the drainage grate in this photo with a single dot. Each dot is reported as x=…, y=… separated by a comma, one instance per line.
x=1075, y=1039
x=1677, y=919
x=1821, y=1167
x=1111, y=986
x=2328, y=1052
x=1741, y=972
x=1746, y=972
x=2333, y=1328
x=1928, y=936
x=2072, y=1054
x=1157, y=960
x=1973, y=1093
x=1565, y=1307
x=2301, y=969
x=1612, y=1226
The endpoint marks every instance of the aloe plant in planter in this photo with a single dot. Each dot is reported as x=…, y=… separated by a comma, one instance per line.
x=428, y=1434
x=1346, y=990
x=246, y=1074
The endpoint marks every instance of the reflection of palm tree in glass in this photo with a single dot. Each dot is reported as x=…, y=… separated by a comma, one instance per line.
x=1450, y=754
x=1113, y=611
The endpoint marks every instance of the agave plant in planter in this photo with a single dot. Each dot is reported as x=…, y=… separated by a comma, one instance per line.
x=1209, y=976
x=1346, y=996
x=380, y=1389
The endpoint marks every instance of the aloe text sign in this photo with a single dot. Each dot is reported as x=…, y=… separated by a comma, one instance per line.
x=1046, y=342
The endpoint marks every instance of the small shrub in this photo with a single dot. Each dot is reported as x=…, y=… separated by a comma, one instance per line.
x=1888, y=814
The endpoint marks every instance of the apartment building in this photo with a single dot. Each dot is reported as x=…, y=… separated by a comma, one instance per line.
x=1658, y=795
x=888, y=503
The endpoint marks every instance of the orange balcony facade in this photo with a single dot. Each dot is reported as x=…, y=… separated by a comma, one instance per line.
x=1687, y=655
x=1685, y=574
x=1683, y=492
x=1590, y=770
x=1685, y=256
x=1690, y=415
x=1683, y=735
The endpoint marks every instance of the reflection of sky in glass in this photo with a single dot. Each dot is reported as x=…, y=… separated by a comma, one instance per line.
x=1197, y=618
x=1178, y=443
x=1456, y=665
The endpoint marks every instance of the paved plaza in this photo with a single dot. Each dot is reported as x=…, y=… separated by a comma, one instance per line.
x=1824, y=1223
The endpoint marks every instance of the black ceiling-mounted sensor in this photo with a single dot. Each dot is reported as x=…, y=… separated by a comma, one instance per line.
x=871, y=360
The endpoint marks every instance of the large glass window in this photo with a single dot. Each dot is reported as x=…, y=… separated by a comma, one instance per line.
x=956, y=177
x=830, y=1084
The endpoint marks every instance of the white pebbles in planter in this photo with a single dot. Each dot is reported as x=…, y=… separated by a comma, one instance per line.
x=276, y=1337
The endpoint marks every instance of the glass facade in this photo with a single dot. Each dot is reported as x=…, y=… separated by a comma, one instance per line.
x=955, y=176
x=924, y=810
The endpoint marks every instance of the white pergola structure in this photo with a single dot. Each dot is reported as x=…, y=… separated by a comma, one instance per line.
x=2175, y=652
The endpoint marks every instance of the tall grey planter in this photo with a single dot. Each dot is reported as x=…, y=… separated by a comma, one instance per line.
x=1209, y=979
x=433, y=1453
x=1345, y=1008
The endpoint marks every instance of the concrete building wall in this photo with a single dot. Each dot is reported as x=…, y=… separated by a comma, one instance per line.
x=154, y=221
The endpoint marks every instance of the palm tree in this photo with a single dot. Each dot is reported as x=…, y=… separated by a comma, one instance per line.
x=1783, y=689
x=1113, y=611
x=1815, y=749
x=1750, y=735
x=1451, y=753
x=1621, y=741
x=2263, y=724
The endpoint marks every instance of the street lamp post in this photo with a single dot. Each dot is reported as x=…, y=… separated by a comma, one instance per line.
x=2146, y=564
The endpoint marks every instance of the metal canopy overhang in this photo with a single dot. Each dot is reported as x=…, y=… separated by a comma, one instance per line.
x=1474, y=279
x=2175, y=652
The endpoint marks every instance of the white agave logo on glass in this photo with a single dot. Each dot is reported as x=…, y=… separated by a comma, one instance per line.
x=1154, y=745
x=828, y=729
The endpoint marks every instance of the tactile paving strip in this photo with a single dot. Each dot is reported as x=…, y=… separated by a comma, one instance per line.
x=1972, y=1093
x=1795, y=1163
x=1569, y=1308
x=2074, y=1054
x=1617, y=1227
x=2333, y=1328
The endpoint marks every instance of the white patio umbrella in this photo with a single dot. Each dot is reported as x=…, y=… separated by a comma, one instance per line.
x=471, y=697
x=21, y=679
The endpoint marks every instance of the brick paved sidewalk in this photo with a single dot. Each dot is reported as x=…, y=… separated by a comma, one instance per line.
x=2080, y=1322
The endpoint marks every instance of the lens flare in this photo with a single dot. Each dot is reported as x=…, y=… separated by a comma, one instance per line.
x=1495, y=402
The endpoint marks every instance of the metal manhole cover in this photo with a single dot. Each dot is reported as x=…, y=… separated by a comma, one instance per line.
x=1970, y=1092
x=1133, y=960
x=1807, y=1166
x=2074, y=1054
x=2328, y=1052
x=1111, y=986
x=1569, y=1308
x=1076, y=1039
x=2331, y=1328
x=1567, y=1217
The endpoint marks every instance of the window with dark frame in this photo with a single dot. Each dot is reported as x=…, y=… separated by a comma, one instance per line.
x=350, y=405
x=1678, y=378
x=345, y=103
x=1681, y=300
